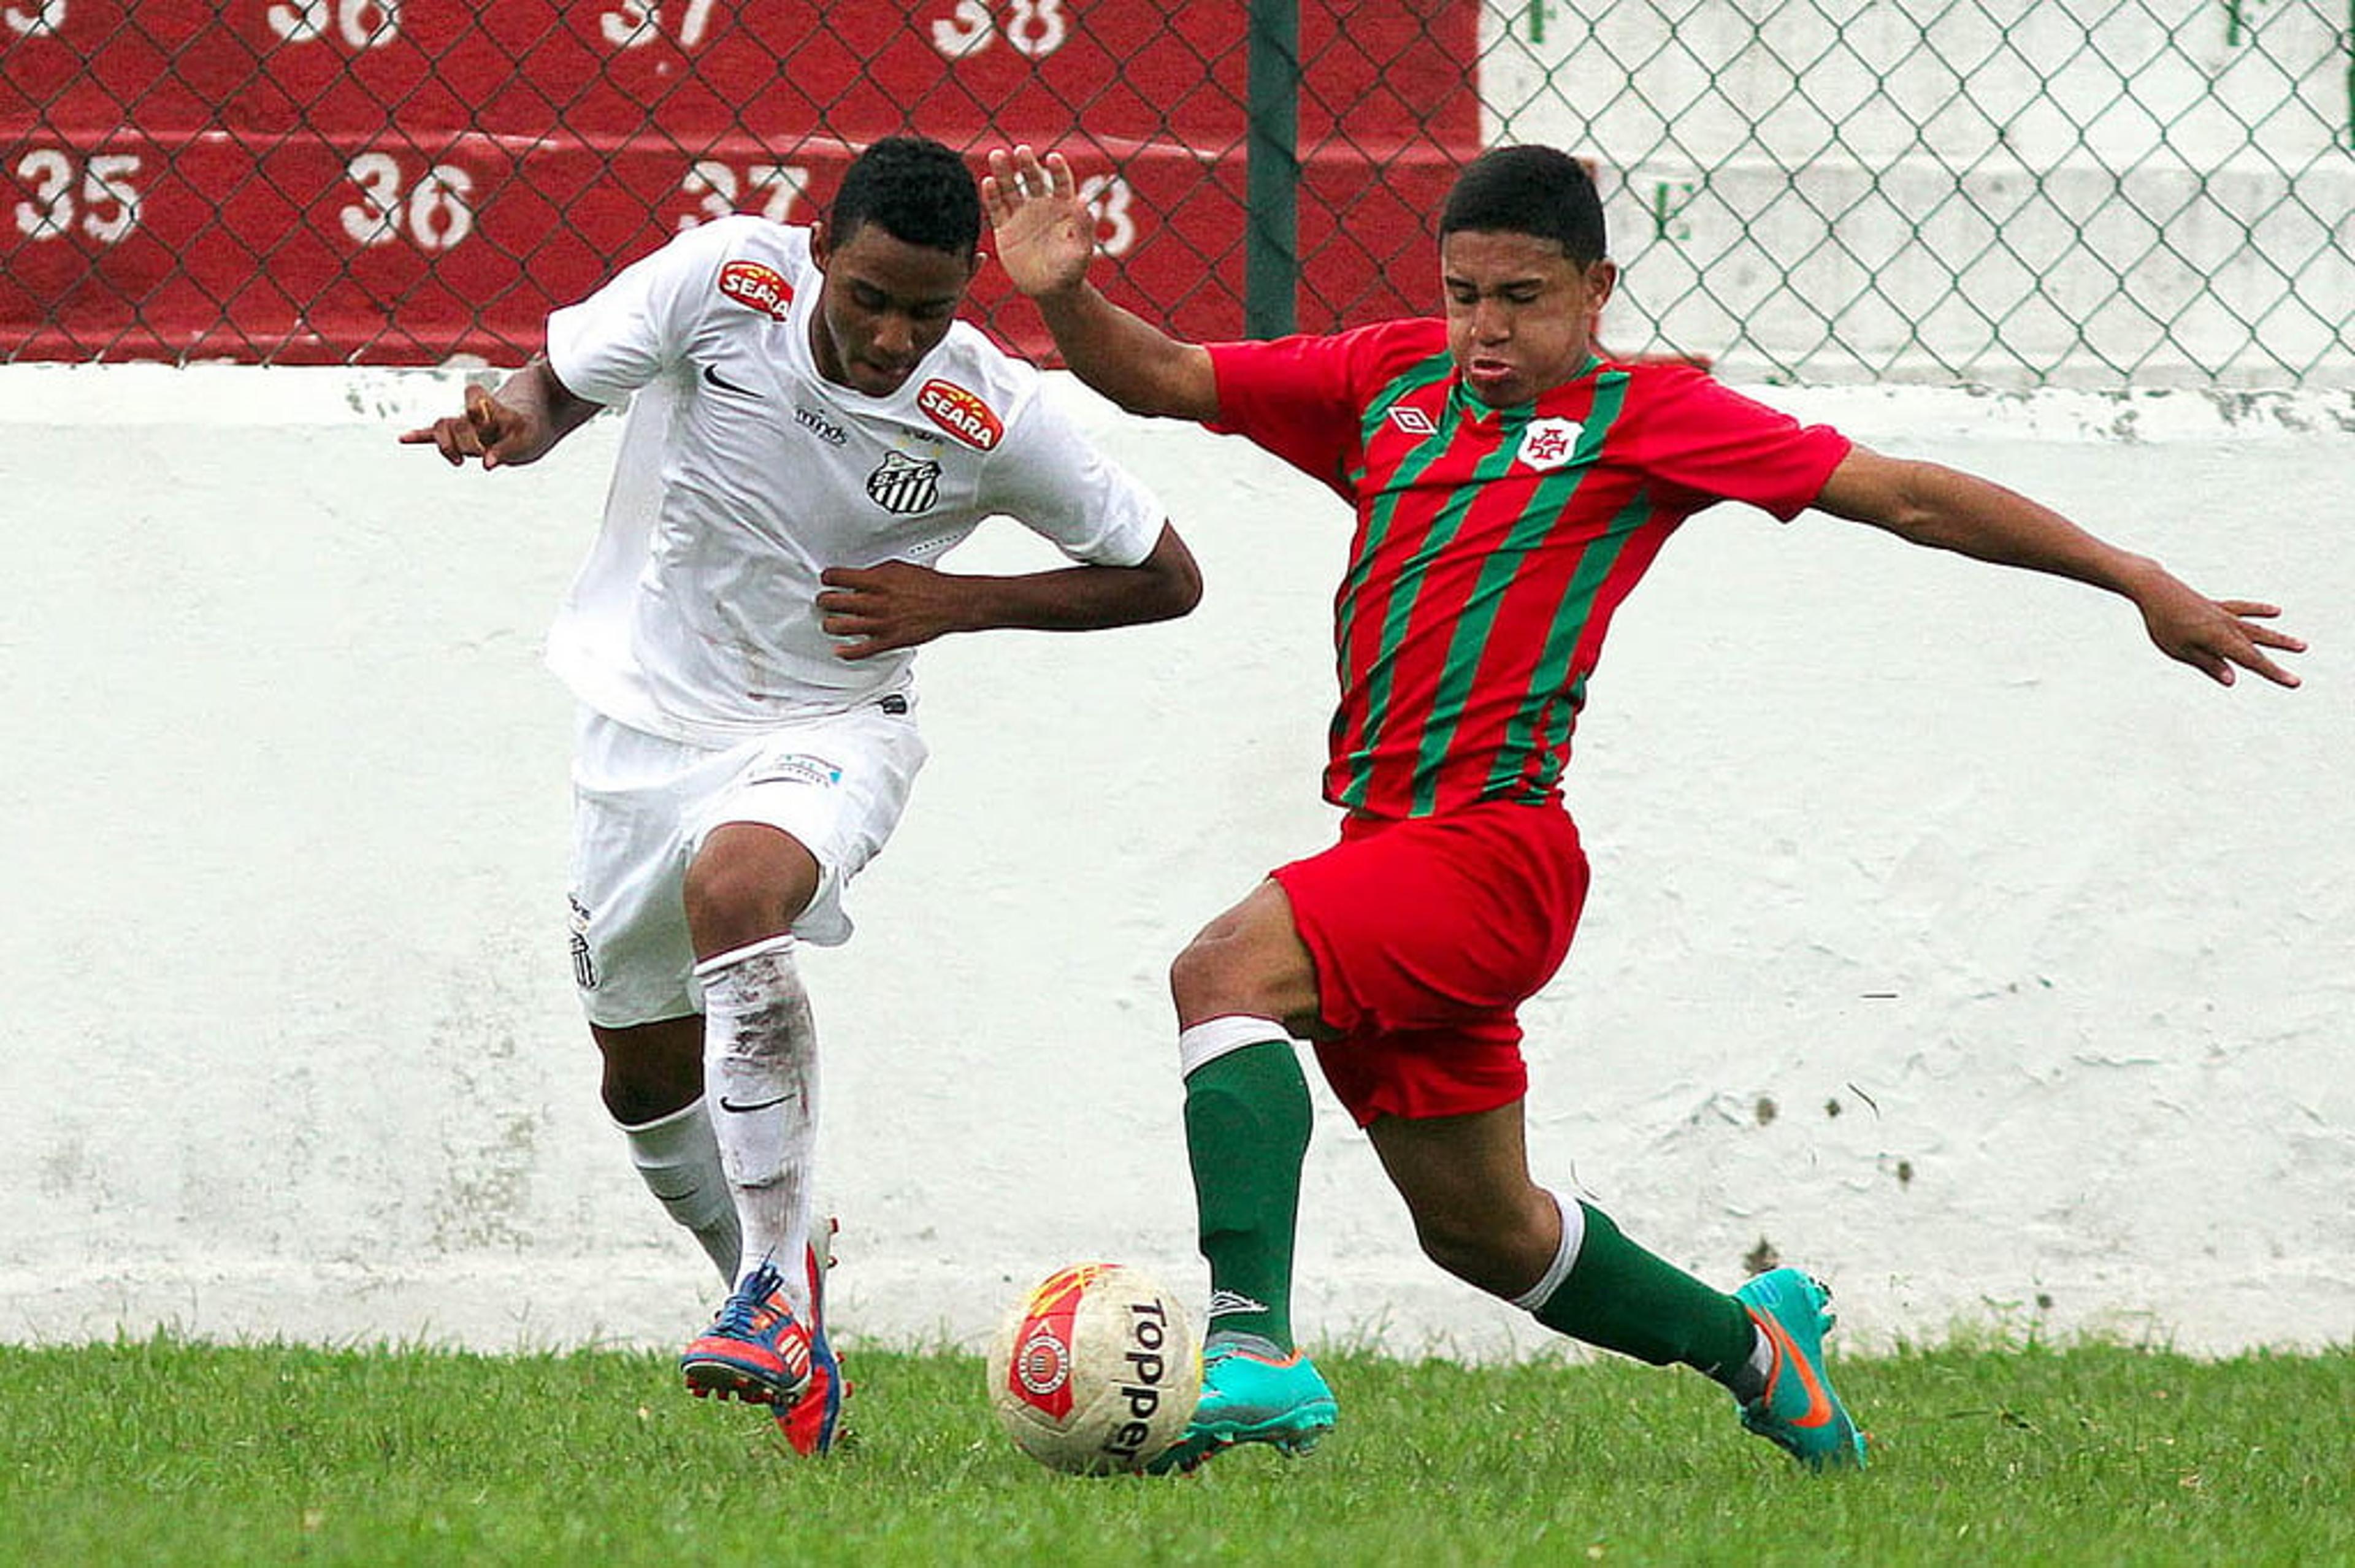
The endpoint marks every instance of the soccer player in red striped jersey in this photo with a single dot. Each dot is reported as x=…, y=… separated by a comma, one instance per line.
x=1511, y=485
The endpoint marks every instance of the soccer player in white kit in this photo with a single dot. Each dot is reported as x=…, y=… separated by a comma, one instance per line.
x=810, y=426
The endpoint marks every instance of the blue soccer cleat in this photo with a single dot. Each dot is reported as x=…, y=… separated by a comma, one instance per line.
x=1251, y=1397
x=1799, y=1413
x=813, y=1421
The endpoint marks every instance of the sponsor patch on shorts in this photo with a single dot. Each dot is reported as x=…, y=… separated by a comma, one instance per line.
x=796, y=768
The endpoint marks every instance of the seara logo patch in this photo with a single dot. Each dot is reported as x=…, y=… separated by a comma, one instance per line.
x=762, y=288
x=961, y=413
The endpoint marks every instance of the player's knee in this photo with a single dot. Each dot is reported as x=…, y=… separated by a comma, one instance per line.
x=1478, y=1249
x=652, y=1072
x=634, y=1101
x=1205, y=981
x=1463, y=1251
x=1185, y=975
x=732, y=902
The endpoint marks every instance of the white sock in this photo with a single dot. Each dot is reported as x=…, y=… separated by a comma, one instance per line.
x=1749, y=1380
x=1565, y=1257
x=678, y=1160
x=1207, y=1041
x=759, y=1076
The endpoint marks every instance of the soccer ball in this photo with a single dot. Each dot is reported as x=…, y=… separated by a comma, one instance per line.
x=1096, y=1371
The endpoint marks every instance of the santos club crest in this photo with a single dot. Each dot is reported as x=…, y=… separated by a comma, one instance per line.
x=905, y=486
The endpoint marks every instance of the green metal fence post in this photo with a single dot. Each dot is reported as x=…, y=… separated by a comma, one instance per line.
x=1272, y=247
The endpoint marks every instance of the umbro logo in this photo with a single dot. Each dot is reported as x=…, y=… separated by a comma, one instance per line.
x=1414, y=421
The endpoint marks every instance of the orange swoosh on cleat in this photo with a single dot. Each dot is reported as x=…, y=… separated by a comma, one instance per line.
x=1786, y=1354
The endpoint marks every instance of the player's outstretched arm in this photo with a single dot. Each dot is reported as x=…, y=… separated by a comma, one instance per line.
x=899, y=604
x=1947, y=510
x=1045, y=237
x=530, y=412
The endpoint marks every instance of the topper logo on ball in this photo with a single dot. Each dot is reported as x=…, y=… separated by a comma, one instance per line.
x=1148, y=1329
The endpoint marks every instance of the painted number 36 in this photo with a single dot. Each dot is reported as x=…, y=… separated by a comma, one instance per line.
x=434, y=217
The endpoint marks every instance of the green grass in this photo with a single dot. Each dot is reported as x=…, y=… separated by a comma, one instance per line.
x=165, y=1451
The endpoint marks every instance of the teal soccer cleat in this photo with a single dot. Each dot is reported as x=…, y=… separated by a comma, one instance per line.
x=1799, y=1413
x=1251, y=1397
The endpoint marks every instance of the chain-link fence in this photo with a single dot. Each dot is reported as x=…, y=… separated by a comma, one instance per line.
x=2082, y=191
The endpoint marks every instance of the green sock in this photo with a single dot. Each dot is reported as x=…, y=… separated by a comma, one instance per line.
x=1623, y=1299
x=1246, y=1133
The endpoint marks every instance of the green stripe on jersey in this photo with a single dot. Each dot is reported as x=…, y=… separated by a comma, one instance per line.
x=1546, y=506
x=1381, y=511
x=1379, y=514
x=1406, y=584
x=1545, y=696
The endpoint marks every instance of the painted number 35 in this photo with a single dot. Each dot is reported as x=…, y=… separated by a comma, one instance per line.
x=94, y=195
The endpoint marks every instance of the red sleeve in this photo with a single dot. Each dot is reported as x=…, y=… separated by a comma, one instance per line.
x=1697, y=433
x=1293, y=396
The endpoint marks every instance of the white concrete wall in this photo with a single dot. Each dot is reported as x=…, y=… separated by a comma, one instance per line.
x=2038, y=947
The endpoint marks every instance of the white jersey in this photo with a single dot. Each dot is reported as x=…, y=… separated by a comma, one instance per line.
x=744, y=472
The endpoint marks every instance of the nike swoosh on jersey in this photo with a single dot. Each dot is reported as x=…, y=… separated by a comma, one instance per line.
x=727, y=1105
x=712, y=376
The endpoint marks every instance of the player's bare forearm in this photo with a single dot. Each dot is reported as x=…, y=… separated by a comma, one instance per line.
x=1946, y=509
x=519, y=423
x=898, y=604
x=1127, y=358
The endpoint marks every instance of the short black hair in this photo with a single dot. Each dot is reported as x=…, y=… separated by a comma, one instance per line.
x=920, y=190
x=1540, y=191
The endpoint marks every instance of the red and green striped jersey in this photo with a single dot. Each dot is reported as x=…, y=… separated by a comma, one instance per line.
x=1493, y=545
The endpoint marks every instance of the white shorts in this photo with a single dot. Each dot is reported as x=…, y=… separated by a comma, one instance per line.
x=642, y=806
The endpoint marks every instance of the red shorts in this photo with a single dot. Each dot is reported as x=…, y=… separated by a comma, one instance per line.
x=1427, y=935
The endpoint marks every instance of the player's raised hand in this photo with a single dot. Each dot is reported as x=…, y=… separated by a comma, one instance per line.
x=1043, y=233
x=2213, y=636
x=498, y=432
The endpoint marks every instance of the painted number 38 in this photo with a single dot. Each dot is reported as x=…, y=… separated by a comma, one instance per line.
x=360, y=24
x=1033, y=27
x=34, y=21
